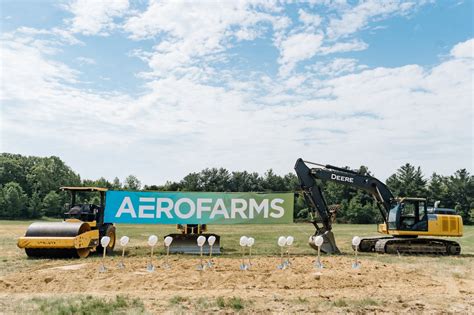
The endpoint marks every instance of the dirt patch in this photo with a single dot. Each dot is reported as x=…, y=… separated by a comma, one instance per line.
x=376, y=286
x=67, y=267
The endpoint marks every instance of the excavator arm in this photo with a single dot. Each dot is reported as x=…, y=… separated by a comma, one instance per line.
x=313, y=195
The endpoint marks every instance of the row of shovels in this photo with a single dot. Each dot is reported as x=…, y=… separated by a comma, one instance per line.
x=152, y=241
x=245, y=242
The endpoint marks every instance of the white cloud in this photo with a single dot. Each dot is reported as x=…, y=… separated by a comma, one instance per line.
x=59, y=35
x=410, y=113
x=85, y=61
x=337, y=67
x=336, y=29
x=356, y=18
x=193, y=36
x=191, y=33
x=93, y=17
x=353, y=45
x=26, y=75
x=296, y=48
x=311, y=20
x=464, y=49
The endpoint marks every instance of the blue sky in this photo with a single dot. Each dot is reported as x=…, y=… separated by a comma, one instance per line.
x=160, y=89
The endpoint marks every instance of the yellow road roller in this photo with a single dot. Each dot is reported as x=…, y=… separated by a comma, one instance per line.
x=77, y=235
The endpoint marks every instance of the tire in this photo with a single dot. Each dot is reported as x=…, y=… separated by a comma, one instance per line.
x=83, y=252
x=110, y=232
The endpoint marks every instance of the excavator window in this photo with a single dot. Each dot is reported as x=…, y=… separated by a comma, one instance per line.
x=409, y=215
x=422, y=217
x=413, y=216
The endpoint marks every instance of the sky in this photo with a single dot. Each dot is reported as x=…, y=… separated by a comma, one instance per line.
x=161, y=89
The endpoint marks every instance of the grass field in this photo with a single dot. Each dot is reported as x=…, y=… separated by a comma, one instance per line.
x=416, y=282
x=265, y=235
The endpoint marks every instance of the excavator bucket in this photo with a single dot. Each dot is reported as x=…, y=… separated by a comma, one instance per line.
x=329, y=242
x=187, y=244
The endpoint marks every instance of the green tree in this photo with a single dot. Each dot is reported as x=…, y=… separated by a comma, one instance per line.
x=273, y=182
x=171, y=186
x=359, y=213
x=209, y=179
x=11, y=170
x=214, y=179
x=116, y=184
x=101, y=182
x=52, y=205
x=132, y=183
x=408, y=181
x=13, y=201
x=49, y=174
x=15, y=168
x=153, y=188
x=334, y=193
x=342, y=213
x=192, y=182
x=35, y=206
x=460, y=193
x=291, y=182
x=301, y=210
x=244, y=181
x=437, y=189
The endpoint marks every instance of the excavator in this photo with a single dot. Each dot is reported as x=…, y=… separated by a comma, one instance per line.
x=408, y=226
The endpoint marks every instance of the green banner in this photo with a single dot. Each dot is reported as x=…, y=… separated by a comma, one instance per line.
x=198, y=207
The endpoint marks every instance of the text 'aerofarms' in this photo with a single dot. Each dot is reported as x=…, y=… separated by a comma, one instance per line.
x=194, y=207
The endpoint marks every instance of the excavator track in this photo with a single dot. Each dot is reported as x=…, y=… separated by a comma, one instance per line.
x=367, y=244
x=431, y=246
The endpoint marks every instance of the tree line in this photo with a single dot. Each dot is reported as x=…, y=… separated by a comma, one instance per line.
x=29, y=188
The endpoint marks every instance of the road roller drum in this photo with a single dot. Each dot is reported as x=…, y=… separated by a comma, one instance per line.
x=59, y=239
x=61, y=229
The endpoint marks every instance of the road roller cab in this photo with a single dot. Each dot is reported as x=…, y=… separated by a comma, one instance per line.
x=77, y=235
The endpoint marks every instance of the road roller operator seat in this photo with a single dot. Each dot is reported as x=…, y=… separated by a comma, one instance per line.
x=83, y=212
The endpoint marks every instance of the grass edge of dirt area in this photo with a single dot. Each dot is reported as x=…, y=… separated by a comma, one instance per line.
x=76, y=304
x=180, y=304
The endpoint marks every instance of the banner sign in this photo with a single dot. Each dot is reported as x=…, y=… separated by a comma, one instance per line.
x=197, y=207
